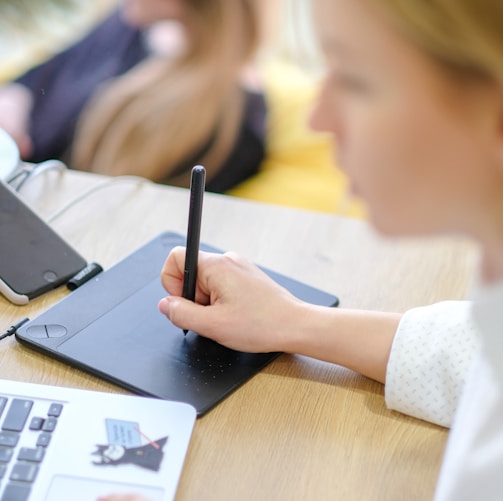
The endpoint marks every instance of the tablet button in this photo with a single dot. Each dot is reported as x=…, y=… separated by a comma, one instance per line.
x=50, y=276
x=55, y=330
x=37, y=331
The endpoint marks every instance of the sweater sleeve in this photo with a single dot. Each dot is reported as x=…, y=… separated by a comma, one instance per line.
x=432, y=351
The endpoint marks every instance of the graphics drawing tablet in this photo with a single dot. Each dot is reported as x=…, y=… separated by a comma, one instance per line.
x=111, y=327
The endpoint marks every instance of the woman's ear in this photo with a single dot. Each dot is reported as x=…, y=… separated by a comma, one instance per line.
x=487, y=118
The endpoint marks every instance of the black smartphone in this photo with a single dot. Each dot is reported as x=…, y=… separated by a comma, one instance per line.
x=33, y=257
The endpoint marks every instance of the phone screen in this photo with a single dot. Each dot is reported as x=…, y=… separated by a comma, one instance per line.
x=33, y=257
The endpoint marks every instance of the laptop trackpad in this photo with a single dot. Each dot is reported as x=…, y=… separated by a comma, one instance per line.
x=86, y=489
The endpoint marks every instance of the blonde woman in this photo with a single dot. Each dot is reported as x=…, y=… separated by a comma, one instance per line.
x=413, y=97
x=159, y=86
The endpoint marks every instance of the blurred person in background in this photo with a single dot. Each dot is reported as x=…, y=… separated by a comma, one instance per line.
x=158, y=86
x=96, y=105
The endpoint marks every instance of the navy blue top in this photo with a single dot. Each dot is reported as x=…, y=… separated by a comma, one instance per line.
x=62, y=86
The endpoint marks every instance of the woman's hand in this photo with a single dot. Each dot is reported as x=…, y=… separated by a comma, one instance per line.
x=15, y=107
x=239, y=306
x=236, y=303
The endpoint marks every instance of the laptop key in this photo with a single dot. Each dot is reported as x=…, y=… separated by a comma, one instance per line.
x=55, y=410
x=9, y=438
x=33, y=455
x=3, y=470
x=43, y=439
x=24, y=472
x=3, y=403
x=49, y=424
x=17, y=414
x=36, y=423
x=6, y=454
x=16, y=492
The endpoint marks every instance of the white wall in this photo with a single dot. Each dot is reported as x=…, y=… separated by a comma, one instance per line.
x=297, y=40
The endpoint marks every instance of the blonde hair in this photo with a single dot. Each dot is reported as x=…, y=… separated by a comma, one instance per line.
x=162, y=112
x=464, y=35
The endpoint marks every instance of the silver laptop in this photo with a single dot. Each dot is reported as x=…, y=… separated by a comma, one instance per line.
x=59, y=443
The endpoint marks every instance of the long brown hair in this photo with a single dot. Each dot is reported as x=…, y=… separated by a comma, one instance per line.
x=162, y=112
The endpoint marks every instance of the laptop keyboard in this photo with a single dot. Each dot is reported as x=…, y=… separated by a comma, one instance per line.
x=26, y=428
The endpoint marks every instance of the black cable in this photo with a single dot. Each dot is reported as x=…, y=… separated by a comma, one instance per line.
x=13, y=328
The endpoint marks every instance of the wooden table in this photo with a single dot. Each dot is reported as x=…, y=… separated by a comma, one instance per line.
x=301, y=429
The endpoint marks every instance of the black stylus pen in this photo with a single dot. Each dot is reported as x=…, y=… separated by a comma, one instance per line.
x=197, y=182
